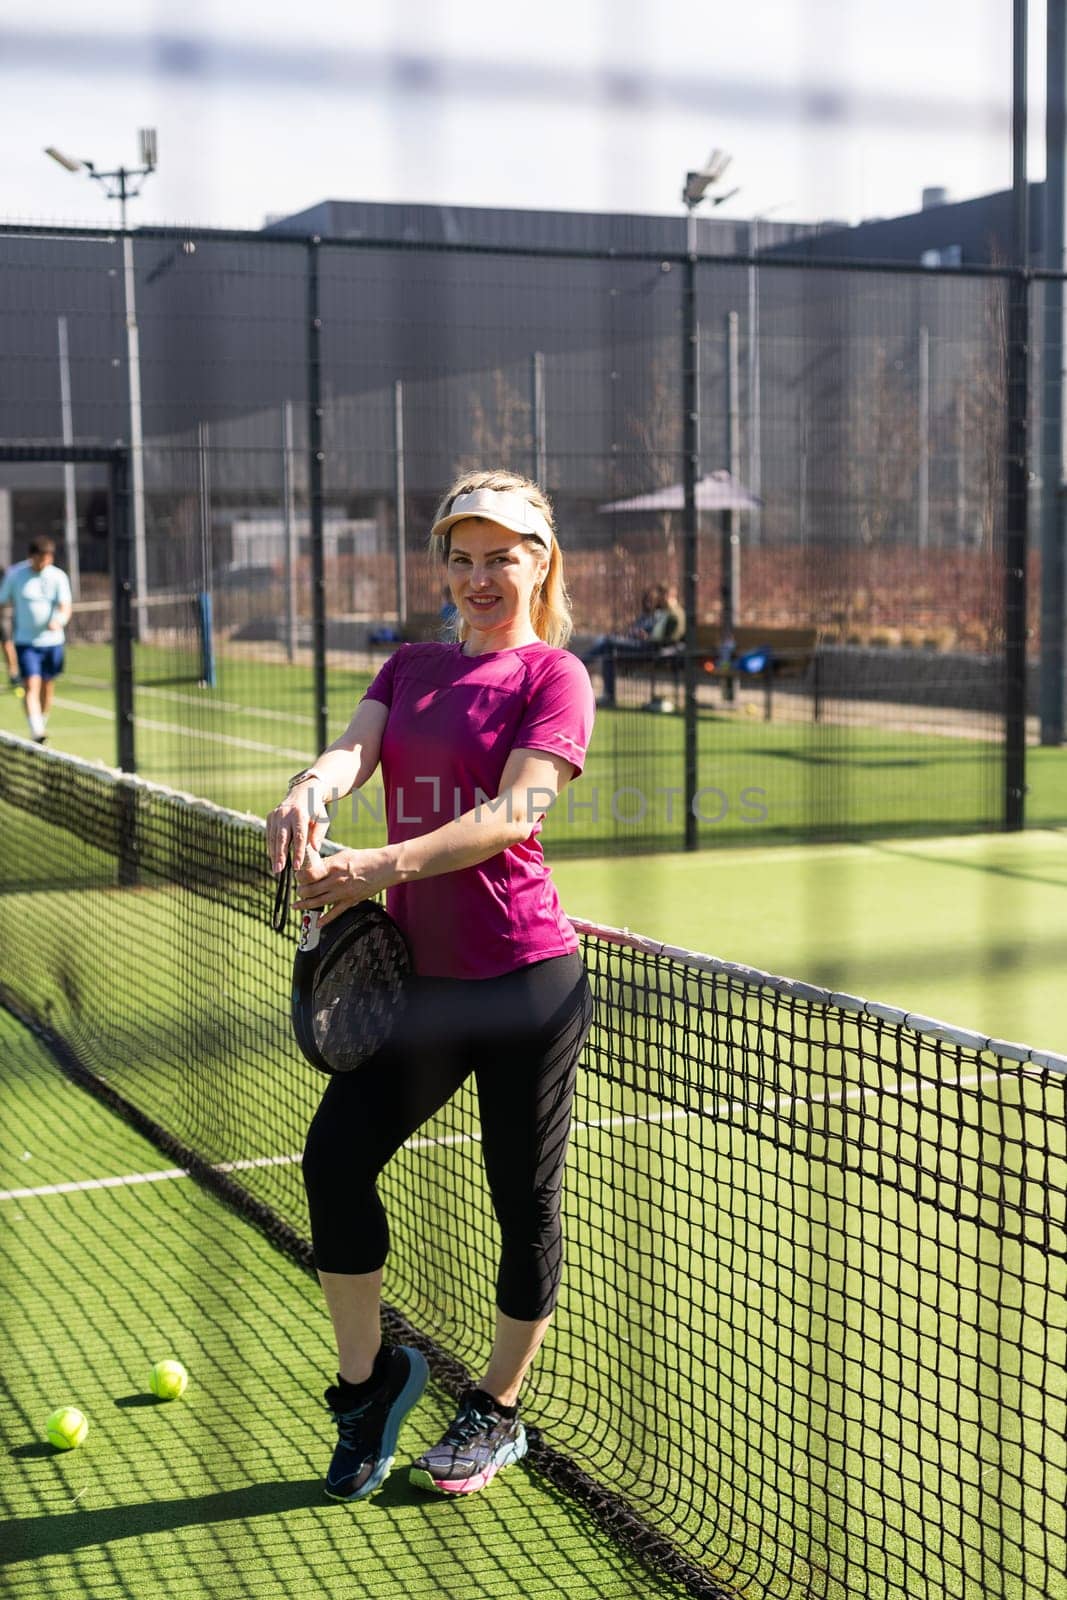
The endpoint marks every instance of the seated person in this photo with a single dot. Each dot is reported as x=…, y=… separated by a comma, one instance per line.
x=668, y=621
x=661, y=626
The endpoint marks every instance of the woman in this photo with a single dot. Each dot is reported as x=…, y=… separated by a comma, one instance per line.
x=502, y=713
x=635, y=641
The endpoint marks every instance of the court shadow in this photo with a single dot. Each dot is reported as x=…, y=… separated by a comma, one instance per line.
x=850, y=759
x=986, y=869
x=33, y=1452
x=396, y=1492
x=32, y=1538
x=130, y=1402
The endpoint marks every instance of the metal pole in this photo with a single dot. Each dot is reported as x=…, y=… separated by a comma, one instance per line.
x=203, y=436
x=1016, y=509
x=133, y=357
x=207, y=624
x=730, y=541
x=803, y=487
x=755, y=453
x=289, y=521
x=734, y=448
x=70, y=501
x=540, y=449
x=316, y=459
x=961, y=468
x=400, y=494
x=1053, y=686
x=924, y=438
x=690, y=518
x=122, y=629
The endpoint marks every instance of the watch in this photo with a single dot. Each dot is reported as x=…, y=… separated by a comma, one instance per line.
x=302, y=777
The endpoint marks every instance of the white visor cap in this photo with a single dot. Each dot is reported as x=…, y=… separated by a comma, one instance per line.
x=507, y=507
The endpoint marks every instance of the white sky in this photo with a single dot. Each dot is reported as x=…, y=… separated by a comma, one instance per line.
x=286, y=104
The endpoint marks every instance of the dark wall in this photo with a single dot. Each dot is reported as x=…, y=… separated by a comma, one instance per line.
x=982, y=228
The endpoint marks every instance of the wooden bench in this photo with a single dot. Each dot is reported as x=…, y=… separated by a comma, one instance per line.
x=791, y=654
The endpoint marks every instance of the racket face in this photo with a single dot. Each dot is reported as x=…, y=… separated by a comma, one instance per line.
x=348, y=983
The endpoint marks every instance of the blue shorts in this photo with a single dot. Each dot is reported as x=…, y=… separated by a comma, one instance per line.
x=40, y=660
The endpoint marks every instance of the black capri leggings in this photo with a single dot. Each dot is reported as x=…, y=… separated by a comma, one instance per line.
x=521, y=1036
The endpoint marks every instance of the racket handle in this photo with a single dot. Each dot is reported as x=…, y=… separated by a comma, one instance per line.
x=310, y=932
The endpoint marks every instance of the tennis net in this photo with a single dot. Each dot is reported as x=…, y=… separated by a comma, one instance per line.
x=813, y=1335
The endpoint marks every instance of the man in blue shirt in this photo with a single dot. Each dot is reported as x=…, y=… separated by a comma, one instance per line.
x=39, y=594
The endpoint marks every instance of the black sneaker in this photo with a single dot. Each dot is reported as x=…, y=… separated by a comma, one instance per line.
x=478, y=1443
x=366, y=1434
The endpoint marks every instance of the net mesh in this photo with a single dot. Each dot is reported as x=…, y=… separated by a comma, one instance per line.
x=813, y=1334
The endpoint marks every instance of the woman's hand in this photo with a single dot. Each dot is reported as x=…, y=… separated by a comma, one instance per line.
x=342, y=880
x=296, y=825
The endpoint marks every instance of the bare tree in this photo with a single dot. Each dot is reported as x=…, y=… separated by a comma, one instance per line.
x=501, y=435
x=656, y=431
x=984, y=418
x=881, y=452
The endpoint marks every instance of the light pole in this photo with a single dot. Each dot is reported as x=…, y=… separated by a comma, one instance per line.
x=125, y=183
x=696, y=189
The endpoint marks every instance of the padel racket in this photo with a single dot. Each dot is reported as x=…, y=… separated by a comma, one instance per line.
x=348, y=982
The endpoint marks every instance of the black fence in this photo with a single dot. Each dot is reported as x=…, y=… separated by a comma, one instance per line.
x=818, y=455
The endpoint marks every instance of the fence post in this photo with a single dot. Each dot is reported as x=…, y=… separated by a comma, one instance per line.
x=122, y=624
x=1054, y=492
x=924, y=437
x=730, y=573
x=400, y=495
x=70, y=498
x=690, y=574
x=204, y=595
x=1017, y=474
x=289, y=522
x=316, y=457
x=539, y=415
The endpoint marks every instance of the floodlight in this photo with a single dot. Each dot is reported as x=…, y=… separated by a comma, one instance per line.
x=148, y=148
x=716, y=164
x=698, y=183
x=65, y=161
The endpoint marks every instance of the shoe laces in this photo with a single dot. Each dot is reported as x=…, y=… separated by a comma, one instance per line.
x=469, y=1423
x=352, y=1429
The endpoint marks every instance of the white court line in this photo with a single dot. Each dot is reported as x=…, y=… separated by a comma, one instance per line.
x=184, y=729
x=130, y=1178
x=204, y=698
x=428, y=1142
x=725, y=1107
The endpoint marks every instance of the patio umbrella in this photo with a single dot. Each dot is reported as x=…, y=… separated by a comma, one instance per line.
x=717, y=491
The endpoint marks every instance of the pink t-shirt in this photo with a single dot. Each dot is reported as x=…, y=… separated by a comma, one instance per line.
x=453, y=722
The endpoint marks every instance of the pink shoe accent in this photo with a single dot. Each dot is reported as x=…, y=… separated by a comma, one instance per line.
x=467, y=1485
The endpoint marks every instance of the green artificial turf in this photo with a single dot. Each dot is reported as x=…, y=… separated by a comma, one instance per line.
x=217, y=1494
x=971, y=930
x=852, y=1437
x=760, y=782
x=853, y=1261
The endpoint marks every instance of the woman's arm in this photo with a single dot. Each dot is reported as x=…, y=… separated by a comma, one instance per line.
x=343, y=766
x=531, y=782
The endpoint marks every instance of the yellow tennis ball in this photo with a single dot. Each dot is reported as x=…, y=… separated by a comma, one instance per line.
x=168, y=1379
x=67, y=1428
